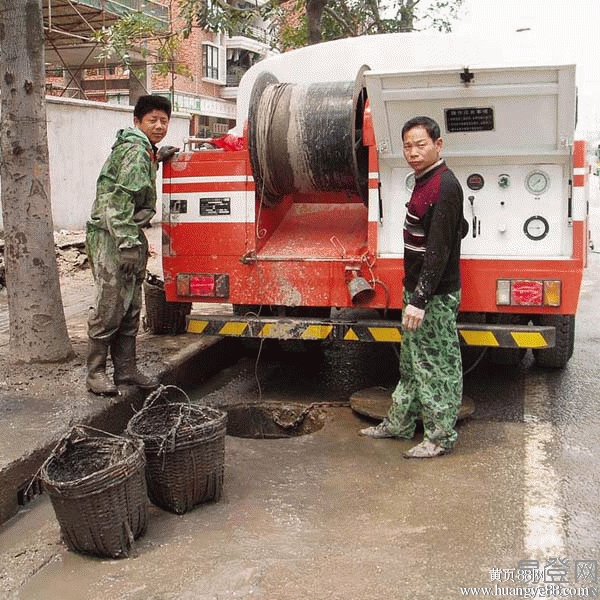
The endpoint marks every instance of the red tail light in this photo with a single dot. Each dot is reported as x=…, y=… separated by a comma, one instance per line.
x=207, y=285
x=202, y=285
x=528, y=292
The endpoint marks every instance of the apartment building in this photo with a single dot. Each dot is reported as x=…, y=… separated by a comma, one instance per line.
x=201, y=81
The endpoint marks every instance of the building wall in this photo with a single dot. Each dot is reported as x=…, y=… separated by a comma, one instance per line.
x=190, y=56
x=193, y=92
x=80, y=136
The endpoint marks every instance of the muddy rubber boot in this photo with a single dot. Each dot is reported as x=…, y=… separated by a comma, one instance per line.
x=97, y=380
x=122, y=350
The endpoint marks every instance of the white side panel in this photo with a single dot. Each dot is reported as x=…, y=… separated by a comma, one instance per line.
x=506, y=124
x=497, y=215
x=211, y=207
x=394, y=201
x=530, y=110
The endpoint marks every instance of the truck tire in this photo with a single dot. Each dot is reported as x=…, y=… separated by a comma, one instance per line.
x=557, y=357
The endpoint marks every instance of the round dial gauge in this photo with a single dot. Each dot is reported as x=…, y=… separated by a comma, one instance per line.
x=475, y=182
x=504, y=181
x=536, y=228
x=537, y=182
x=410, y=182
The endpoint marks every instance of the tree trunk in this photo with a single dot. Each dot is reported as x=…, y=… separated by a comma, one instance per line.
x=407, y=15
x=314, y=11
x=38, y=330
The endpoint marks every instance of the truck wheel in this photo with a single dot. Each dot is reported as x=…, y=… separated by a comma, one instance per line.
x=557, y=357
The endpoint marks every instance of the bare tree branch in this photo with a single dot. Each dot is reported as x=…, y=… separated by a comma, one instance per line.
x=342, y=22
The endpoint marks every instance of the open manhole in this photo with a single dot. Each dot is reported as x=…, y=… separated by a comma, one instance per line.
x=269, y=420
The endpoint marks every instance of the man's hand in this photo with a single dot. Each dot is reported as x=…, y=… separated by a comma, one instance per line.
x=165, y=153
x=128, y=260
x=412, y=317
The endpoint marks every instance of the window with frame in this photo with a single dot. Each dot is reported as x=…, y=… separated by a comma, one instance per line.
x=211, y=62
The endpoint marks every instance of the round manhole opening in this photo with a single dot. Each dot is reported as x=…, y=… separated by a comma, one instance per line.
x=269, y=420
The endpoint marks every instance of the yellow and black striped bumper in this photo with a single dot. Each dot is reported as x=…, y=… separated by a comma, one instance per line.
x=283, y=328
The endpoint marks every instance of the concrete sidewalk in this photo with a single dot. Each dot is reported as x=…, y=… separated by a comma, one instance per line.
x=40, y=403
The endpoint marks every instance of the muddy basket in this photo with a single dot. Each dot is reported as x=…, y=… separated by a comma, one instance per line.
x=162, y=317
x=98, y=491
x=185, y=450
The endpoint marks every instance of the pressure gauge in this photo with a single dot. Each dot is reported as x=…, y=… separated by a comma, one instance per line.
x=475, y=182
x=410, y=182
x=536, y=228
x=503, y=181
x=537, y=182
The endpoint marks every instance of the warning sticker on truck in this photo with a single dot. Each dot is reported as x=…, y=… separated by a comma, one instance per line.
x=469, y=119
x=212, y=207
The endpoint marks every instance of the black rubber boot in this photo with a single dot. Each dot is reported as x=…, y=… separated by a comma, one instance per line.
x=97, y=380
x=122, y=350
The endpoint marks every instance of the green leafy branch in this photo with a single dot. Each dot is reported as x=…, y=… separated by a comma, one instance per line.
x=140, y=33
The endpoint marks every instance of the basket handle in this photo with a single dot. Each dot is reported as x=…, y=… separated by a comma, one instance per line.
x=76, y=433
x=79, y=432
x=161, y=393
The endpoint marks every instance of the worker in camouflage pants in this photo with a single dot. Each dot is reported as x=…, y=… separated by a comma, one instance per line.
x=430, y=385
x=117, y=247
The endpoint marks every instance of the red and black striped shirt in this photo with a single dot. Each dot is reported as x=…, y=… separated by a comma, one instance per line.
x=433, y=229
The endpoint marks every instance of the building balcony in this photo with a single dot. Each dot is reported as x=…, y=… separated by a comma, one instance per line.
x=244, y=51
x=253, y=39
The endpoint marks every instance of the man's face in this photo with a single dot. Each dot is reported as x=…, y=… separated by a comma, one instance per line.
x=154, y=124
x=420, y=151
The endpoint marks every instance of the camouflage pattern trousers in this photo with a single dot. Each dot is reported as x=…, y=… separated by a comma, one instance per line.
x=431, y=379
x=118, y=303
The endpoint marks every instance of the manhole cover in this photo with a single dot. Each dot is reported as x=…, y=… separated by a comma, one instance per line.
x=375, y=402
x=268, y=420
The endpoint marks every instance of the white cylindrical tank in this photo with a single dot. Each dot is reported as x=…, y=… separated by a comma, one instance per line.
x=340, y=60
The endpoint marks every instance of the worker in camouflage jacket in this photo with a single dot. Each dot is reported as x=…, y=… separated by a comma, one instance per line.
x=118, y=249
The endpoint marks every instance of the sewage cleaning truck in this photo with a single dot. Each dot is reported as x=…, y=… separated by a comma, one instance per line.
x=300, y=217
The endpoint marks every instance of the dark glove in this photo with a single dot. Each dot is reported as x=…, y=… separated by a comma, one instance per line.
x=165, y=153
x=143, y=217
x=128, y=260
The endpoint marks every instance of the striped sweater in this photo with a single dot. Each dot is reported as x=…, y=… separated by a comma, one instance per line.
x=433, y=229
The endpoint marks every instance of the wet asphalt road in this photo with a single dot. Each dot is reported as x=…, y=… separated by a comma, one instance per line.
x=331, y=515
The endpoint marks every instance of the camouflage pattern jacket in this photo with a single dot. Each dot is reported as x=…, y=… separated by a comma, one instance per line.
x=126, y=189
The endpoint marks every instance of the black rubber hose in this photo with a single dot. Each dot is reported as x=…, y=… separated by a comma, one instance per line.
x=307, y=138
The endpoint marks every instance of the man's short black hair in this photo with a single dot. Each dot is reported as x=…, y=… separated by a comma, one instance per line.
x=146, y=104
x=431, y=126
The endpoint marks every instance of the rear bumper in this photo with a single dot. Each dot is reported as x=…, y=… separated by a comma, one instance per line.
x=285, y=328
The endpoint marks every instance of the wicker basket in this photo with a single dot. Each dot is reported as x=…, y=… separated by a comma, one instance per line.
x=98, y=491
x=162, y=317
x=185, y=451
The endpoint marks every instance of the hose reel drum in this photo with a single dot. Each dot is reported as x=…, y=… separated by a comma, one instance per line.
x=306, y=138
